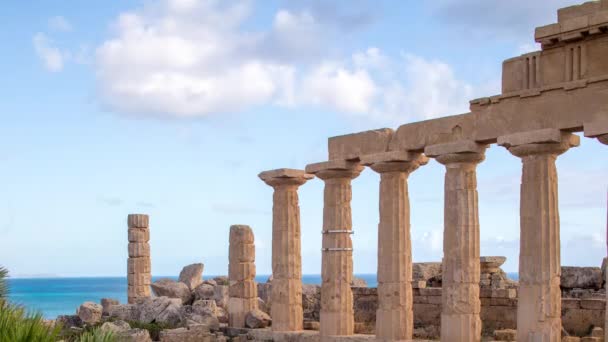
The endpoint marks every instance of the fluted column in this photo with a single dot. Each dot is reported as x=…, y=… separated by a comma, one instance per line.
x=139, y=266
x=599, y=130
x=394, y=316
x=286, y=295
x=243, y=291
x=337, y=316
x=539, y=302
x=461, y=306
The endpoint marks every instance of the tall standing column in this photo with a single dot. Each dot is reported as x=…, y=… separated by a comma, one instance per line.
x=394, y=316
x=337, y=316
x=138, y=265
x=286, y=295
x=243, y=291
x=461, y=306
x=599, y=130
x=539, y=302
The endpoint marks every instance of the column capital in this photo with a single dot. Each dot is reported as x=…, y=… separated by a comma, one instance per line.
x=597, y=129
x=394, y=161
x=462, y=151
x=285, y=177
x=539, y=142
x=335, y=169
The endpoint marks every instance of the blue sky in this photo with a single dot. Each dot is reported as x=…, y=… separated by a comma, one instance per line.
x=172, y=108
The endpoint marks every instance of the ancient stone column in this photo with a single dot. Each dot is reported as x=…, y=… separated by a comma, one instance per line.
x=394, y=316
x=138, y=265
x=337, y=316
x=461, y=306
x=539, y=302
x=243, y=292
x=286, y=296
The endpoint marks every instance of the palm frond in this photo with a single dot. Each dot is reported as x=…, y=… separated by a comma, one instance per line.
x=3, y=282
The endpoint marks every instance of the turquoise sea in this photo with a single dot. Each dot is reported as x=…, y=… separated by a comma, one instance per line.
x=61, y=296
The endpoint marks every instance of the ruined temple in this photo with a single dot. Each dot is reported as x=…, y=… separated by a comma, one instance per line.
x=547, y=96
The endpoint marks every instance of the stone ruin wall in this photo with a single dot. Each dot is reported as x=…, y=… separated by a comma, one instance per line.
x=583, y=300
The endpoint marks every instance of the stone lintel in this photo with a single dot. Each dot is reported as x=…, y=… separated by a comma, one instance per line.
x=337, y=165
x=352, y=146
x=392, y=156
x=541, y=136
x=461, y=146
x=284, y=173
x=596, y=128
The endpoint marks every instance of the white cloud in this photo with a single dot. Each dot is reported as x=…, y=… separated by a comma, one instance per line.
x=334, y=86
x=192, y=58
x=51, y=56
x=59, y=23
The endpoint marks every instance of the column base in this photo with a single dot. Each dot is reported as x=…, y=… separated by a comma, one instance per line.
x=539, y=313
x=337, y=323
x=460, y=328
x=394, y=325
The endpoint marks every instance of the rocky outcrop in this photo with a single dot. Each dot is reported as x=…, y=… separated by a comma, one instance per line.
x=256, y=319
x=90, y=312
x=115, y=327
x=172, y=289
x=192, y=275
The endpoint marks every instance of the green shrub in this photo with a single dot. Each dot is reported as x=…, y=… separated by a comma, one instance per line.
x=16, y=325
x=96, y=335
x=153, y=328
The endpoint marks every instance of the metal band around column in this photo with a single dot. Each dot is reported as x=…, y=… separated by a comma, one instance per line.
x=335, y=249
x=337, y=231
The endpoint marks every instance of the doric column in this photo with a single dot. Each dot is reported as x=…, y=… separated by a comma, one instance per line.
x=539, y=302
x=243, y=291
x=286, y=295
x=138, y=265
x=599, y=130
x=337, y=317
x=394, y=316
x=461, y=306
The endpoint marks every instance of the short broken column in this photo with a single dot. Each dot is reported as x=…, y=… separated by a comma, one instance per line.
x=336, y=315
x=539, y=302
x=461, y=306
x=394, y=316
x=243, y=292
x=138, y=265
x=286, y=295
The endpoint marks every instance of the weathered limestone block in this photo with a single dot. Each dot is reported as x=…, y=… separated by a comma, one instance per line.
x=426, y=271
x=491, y=264
x=286, y=248
x=106, y=303
x=192, y=275
x=539, y=306
x=257, y=319
x=394, y=319
x=139, y=235
x=172, y=289
x=90, y=312
x=241, y=272
x=204, y=291
x=192, y=333
x=461, y=262
x=337, y=317
x=353, y=146
x=159, y=309
x=581, y=277
x=125, y=312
